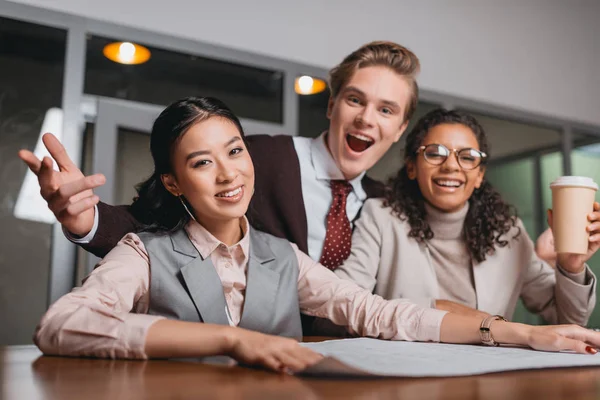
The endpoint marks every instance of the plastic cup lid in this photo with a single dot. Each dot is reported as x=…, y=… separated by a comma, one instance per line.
x=579, y=181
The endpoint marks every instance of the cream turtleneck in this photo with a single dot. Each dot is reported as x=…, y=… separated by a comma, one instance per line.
x=450, y=256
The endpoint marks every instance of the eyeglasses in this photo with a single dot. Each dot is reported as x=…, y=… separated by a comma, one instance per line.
x=437, y=154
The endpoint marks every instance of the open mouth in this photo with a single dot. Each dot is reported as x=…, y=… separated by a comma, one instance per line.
x=448, y=183
x=359, y=143
x=231, y=195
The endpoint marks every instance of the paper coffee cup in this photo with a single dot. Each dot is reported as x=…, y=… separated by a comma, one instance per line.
x=572, y=201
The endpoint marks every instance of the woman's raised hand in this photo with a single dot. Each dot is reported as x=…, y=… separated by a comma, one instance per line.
x=67, y=191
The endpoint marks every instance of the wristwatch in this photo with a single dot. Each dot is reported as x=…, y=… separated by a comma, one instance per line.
x=484, y=330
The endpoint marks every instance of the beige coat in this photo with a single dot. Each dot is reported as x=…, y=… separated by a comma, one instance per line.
x=385, y=260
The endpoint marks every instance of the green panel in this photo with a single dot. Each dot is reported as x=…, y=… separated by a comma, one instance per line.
x=586, y=163
x=515, y=181
x=551, y=169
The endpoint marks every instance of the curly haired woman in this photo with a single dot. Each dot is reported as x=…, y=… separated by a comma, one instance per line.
x=444, y=238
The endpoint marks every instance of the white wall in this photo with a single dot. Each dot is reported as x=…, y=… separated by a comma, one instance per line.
x=537, y=55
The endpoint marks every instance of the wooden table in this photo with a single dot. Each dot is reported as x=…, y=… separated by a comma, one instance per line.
x=26, y=374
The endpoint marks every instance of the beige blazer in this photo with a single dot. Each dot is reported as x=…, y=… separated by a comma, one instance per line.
x=385, y=260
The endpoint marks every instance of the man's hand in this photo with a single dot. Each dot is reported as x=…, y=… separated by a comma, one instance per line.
x=67, y=191
x=544, y=247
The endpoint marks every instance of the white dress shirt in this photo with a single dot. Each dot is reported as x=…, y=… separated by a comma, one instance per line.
x=317, y=168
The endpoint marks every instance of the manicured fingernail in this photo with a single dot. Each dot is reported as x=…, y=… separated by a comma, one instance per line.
x=591, y=350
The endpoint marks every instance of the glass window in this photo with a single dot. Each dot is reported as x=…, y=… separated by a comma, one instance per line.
x=134, y=163
x=585, y=149
x=510, y=138
x=312, y=114
x=250, y=92
x=32, y=60
x=551, y=168
x=515, y=181
x=83, y=257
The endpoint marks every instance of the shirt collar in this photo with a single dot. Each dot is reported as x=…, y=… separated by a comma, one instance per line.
x=326, y=168
x=206, y=243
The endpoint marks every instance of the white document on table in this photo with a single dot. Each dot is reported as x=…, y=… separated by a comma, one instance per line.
x=373, y=357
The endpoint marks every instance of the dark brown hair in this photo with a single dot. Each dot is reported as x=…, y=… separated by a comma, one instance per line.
x=386, y=54
x=155, y=207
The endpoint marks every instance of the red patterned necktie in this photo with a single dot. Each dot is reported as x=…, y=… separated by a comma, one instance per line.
x=338, y=237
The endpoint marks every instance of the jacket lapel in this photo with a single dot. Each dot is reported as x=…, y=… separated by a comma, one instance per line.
x=430, y=278
x=262, y=284
x=202, y=281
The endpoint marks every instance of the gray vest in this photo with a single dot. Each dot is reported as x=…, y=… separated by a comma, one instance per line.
x=186, y=287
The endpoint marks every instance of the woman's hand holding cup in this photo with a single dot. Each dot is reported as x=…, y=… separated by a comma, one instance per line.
x=574, y=263
x=576, y=230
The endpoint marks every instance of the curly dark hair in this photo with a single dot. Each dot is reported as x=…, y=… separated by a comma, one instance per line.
x=488, y=218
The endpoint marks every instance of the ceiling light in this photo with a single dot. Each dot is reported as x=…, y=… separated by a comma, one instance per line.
x=309, y=85
x=126, y=53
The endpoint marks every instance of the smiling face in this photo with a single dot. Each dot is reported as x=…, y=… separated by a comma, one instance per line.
x=447, y=187
x=213, y=170
x=366, y=118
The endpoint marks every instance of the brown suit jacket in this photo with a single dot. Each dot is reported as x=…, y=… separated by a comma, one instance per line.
x=277, y=206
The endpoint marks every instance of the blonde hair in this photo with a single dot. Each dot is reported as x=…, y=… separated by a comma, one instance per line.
x=386, y=54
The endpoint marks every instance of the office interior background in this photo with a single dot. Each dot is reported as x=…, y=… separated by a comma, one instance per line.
x=528, y=70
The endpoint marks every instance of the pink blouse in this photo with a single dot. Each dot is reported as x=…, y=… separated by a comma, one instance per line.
x=107, y=316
